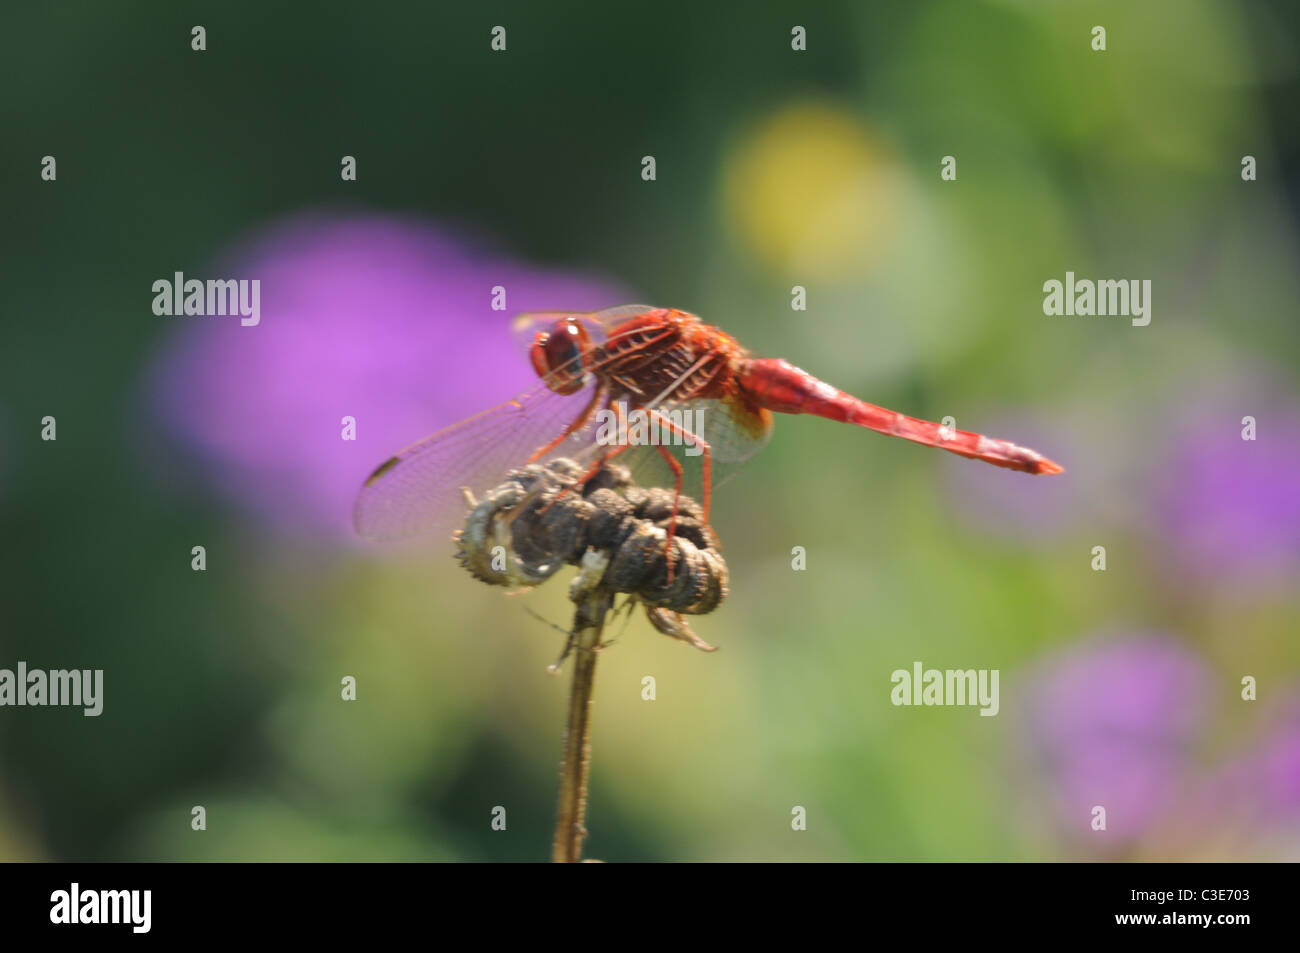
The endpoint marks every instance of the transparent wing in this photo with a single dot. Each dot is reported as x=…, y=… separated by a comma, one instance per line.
x=524, y=327
x=610, y=318
x=419, y=489
x=734, y=431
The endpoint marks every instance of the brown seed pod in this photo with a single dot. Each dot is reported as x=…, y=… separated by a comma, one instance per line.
x=524, y=530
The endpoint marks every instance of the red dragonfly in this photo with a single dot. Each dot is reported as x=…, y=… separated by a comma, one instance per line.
x=610, y=378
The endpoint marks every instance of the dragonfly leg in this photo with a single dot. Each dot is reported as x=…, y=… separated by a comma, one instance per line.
x=692, y=439
x=591, y=472
x=620, y=409
x=677, y=495
x=577, y=424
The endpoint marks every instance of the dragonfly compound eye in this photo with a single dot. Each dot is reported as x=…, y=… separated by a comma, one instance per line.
x=559, y=354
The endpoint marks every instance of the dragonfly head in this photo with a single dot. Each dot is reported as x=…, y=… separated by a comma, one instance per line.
x=560, y=354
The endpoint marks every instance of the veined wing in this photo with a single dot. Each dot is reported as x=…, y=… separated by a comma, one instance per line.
x=734, y=431
x=524, y=327
x=419, y=489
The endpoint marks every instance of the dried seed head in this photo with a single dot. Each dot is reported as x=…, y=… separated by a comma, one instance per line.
x=524, y=530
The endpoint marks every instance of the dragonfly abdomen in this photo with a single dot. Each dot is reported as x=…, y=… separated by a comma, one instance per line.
x=780, y=386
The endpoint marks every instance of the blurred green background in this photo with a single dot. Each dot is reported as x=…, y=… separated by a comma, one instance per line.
x=775, y=168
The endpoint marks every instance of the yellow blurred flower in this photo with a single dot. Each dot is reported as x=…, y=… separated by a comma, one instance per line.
x=809, y=191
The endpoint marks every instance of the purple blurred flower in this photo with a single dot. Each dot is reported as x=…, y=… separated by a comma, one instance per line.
x=1110, y=724
x=382, y=319
x=1279, y=774
x=1262, y=786
x=1228, y=508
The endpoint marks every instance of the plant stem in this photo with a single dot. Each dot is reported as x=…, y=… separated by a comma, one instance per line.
x=575, y=766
